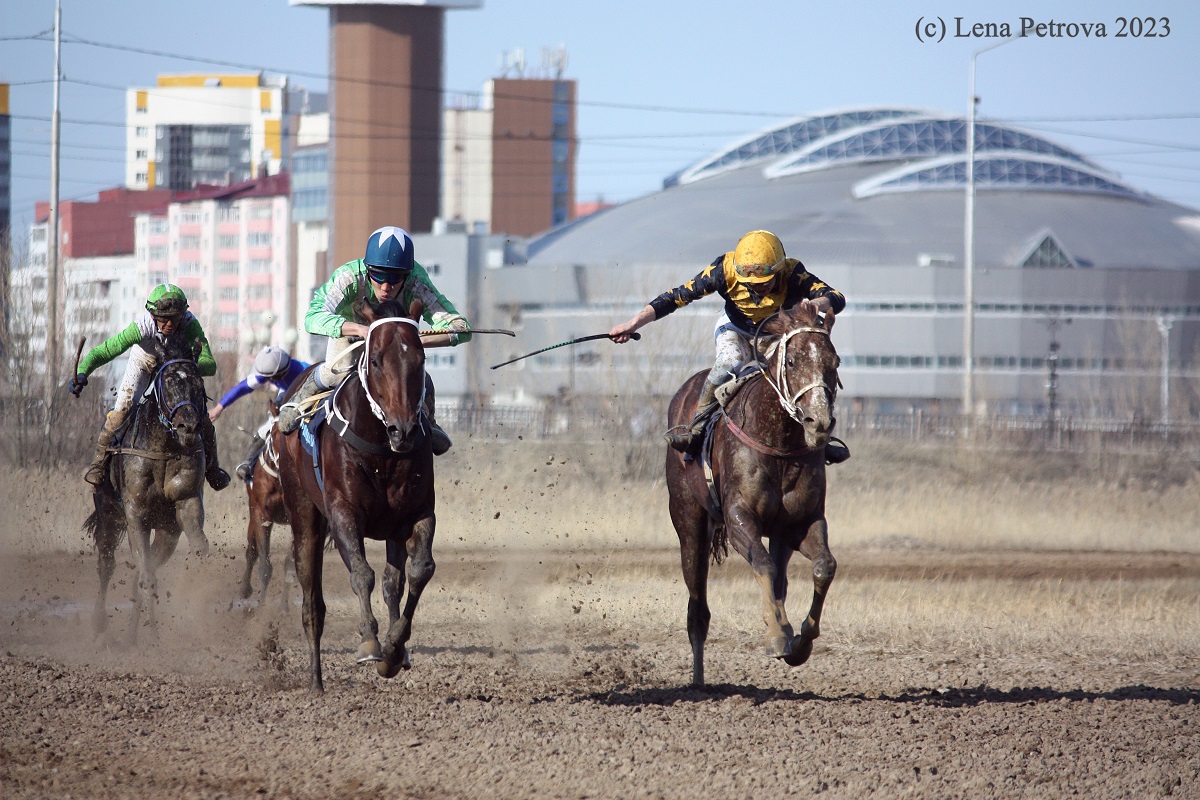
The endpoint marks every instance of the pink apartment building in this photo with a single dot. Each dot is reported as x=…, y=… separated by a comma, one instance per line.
x=228, y=248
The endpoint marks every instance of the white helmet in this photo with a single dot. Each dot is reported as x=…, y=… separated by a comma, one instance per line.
x=272, y=361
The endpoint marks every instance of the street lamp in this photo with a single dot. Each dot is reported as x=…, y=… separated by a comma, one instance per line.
x=968, y=399
x=1164, y=328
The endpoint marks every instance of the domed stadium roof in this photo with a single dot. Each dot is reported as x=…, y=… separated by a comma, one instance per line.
x=885, y=186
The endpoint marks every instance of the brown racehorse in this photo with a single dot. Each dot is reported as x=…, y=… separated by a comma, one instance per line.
x=264, y=496
x=154, y=490
x=768, y=466
x=376, y=466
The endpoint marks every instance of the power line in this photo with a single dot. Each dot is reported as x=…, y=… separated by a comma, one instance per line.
x=408, y=86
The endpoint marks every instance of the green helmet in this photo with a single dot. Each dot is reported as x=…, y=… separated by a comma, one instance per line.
x=167, y=300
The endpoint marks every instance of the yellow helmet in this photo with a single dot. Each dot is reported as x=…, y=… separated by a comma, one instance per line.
x=758, y=256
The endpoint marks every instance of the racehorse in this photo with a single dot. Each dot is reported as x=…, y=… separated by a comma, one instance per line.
x=264, y=496
x=376, y=481
x=768, y=480
x=155, y=485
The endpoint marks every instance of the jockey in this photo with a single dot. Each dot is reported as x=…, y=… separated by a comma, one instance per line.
x=755, y=280
x=273, y=369
x=388, y=271
x=166, y=318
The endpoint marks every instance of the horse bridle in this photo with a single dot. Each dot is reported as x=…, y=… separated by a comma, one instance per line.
x=780, y=383
x=376, y=409
x=165, y=415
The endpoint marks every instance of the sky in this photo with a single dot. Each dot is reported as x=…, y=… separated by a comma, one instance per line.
x=661, y=83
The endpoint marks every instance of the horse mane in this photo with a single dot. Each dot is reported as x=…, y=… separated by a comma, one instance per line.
x=796, y=315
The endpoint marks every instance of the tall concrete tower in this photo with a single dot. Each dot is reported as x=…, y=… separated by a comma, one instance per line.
x=385, y=90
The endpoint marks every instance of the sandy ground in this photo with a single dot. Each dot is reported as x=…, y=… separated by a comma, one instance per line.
x=561, y=670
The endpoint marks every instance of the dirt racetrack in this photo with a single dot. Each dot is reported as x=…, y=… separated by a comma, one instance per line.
x=550, y=657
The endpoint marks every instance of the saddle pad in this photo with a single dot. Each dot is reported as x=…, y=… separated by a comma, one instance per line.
x=310, y=430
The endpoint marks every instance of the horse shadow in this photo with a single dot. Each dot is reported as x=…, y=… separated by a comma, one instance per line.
x=967, y=697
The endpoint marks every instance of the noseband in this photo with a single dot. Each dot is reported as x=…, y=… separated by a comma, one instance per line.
x=788, y=399
x=363, y=367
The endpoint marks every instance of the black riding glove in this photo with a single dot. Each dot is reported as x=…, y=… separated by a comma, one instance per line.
x=77, y=383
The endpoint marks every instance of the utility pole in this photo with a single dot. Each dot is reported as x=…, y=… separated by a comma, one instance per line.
x=968, y=395
x=52, y=261
x=1164, y=328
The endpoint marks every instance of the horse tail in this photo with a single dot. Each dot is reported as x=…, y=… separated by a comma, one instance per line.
x=107, y=514
x=719, y=547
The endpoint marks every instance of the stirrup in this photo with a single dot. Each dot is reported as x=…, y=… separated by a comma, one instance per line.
x=243, y=470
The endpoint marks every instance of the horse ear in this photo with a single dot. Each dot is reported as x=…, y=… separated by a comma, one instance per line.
x=829, y=320
x=363, y=310
x=415, y=310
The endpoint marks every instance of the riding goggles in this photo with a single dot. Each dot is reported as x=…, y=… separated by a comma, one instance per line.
x=387, y=275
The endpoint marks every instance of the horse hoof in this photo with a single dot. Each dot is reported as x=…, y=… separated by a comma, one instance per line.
x=777, y=647
x=368, y=652
x=801, y=649
x=388, y=669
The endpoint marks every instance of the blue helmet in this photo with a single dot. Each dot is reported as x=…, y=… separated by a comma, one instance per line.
x=390, y=248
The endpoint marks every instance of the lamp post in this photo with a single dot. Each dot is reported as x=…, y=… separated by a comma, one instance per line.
x=968, y=398
x=1164, y=328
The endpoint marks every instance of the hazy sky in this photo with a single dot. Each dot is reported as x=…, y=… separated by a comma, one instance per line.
x=661, y=83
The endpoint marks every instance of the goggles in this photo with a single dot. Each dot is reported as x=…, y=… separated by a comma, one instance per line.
x=388, y=276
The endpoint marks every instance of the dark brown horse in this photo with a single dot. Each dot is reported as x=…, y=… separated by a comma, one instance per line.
x=768, y=467
x=155, y=486
x=264, y=496
x=376, y=482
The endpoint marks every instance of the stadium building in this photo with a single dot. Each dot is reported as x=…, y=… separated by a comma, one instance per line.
x=1087, y=289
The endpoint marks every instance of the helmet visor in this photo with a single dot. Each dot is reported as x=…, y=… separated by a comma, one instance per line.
x=387, y=275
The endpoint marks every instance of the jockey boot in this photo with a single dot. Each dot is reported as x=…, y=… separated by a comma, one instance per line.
x=217, y=478
x=689, y=439
x=256, y=447
x=290, y=412
x=97, y=471
x=836, y=451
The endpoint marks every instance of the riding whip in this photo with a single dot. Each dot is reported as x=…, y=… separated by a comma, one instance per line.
x=634, y=336
x=473, y=330
x=78, y=354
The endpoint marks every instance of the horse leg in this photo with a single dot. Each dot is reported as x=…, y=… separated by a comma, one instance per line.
x=252, y=528
x=393, y=575
x=189, y=514
x=350, y=544
x=162, y=545
x=106, y=565
x=815, y=547
x=746, y=532
x=264, y=565
x=420, y=571
x=145, y=588
x=308, y=544
x=695, y=536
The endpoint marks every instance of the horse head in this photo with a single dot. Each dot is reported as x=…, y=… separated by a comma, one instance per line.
x=179, y=393
x=392, y=371
x=802, y=367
